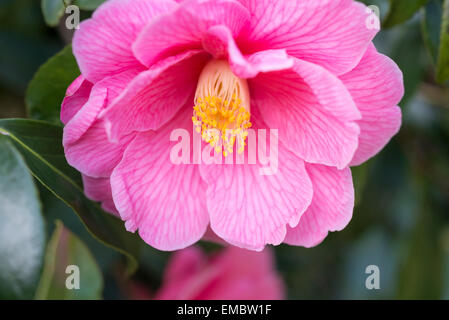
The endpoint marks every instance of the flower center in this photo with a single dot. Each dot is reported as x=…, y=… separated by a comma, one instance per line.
x=222, y=108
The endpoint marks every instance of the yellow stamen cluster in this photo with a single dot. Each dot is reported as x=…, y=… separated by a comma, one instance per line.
x=221, y=123
x=221, y=112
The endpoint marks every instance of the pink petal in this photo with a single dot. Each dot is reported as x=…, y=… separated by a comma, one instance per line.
x=219, y=42
x=166, y=202
x=331, y=33
x=250, y=210
x=187, y=275
x=245, y=275
x=377, y=86
x=102, y=45
x=183, y=28
x=93, y=153
x=102, y=94
x=331, y=208
x=155, y=96
x=312, y=109
x=76, y=96
x=86, y=144
x=233, y=274
x=99, y=189
x=184, y=263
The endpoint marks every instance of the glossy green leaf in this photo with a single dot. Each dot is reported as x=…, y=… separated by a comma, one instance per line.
x=401, y=11
x=70, y=271
x=443, y=58
x=88, y=4
x=40, y=144
x=45, y=140
x=53, y=10
x=47, y=89
x=22, y=231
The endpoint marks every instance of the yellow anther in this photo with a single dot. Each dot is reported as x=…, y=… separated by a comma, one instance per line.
x=222, y=108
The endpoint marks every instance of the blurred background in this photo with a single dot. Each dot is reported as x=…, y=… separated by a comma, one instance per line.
x=401, y=219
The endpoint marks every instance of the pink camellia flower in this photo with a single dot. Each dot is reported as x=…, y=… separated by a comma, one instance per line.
x=234, y=274
x=220, y=70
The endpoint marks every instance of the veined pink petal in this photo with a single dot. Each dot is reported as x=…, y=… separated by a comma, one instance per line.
x=249, y=209
x=183, y=28
x=219, y=42
x=93, y=153
x=376, y=86
x=99, y=189
x=102, y=94
x=331, y=33
x=312, y=109
x=331, y=208
x=102, y=45
x=233, y=274
x=155, y=96
x=76, y=96
x=166, y=202
x=86, y=144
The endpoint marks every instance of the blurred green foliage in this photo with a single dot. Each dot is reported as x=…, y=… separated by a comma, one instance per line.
x=402, y=10
x=443, y=58
x=66, y=259
x=401, y=219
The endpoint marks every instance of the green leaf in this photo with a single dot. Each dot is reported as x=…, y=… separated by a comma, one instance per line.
x=22, y=230
x=47, y=89
x=53, y=10
x=44, y=139
x=40, y=145
x=401, y=11
x=443, y=58
x=64, y=250
x=88, y=4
